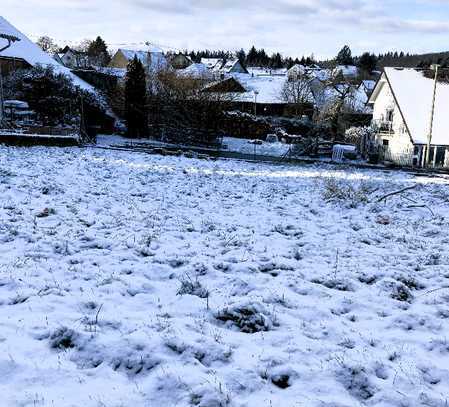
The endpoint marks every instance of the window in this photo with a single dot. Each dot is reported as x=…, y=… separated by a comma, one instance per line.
x=385, y=143
x=390, y=115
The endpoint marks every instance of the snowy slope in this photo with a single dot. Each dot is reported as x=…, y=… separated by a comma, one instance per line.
x=31, y=53
x=414, y=94
x=319, y=295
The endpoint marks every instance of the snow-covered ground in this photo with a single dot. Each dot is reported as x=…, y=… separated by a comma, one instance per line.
x=232, y=144
x=247, y=147
x=134, y=280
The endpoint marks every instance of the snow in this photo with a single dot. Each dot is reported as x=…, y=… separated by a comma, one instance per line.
x=414, y=94
x=318, y=295
x=369, y=85
x=268, y=88
x=31, y=53
x=263, y=71
x=211, y=63
x=347, y=70
x=243, y=146
x=154, y=55
x=198, y=71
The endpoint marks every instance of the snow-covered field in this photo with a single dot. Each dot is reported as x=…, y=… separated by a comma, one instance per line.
x=246, y=147
x=134, y=280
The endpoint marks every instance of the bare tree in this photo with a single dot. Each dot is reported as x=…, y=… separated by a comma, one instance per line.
x=297, y=92
x=334, y=98
x=47, y=44
x=181, y=110
x=83, y=46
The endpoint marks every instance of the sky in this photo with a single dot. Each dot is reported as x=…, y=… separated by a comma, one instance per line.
x=292, y=27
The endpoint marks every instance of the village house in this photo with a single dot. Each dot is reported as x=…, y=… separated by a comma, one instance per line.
x=231, y=66
x=152, y=59
x=72, y=58
x=402, y=102
x=179, y=61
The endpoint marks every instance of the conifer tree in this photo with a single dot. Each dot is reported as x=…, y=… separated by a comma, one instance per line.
x=136, y=100
x=98, y=52
x=344, y=57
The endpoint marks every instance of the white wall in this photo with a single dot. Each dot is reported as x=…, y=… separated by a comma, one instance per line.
x=399, y=140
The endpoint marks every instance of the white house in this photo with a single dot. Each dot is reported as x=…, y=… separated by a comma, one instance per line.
x=402, y=104
x=73, y=59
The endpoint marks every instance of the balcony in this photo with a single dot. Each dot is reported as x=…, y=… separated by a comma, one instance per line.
x=383, y=127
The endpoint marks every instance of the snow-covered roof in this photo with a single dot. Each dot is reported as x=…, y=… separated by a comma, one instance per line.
x=268, y=88
x=195, y=71
x=153, y=57
x=313, y=71
x=347, y=70
x=264, y=71
x=28, y=51
x=369, y=85
x=211, y=63
x=228, y=65
x=414, y=94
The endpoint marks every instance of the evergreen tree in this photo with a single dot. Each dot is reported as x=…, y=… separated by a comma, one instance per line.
x=136, y=99
x=98, y=52
x=367, y=62
x=344, y=57
x=241, y=56
x=276, y=61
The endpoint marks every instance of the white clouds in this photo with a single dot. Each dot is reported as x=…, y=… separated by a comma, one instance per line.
x=292, y=26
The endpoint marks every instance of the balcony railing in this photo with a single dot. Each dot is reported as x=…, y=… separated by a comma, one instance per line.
x=383, y=126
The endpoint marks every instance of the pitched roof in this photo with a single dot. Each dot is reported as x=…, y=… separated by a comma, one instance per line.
x=28, y=51
x=229, y=65
x=268, y=88
x=154, y=55
x=212, y=62
x=414, y=93
x=196, y=71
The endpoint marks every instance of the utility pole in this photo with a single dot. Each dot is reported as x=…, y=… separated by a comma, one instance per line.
x=429, y=138
x=11, y=39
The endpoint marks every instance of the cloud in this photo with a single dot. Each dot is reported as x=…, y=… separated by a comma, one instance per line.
x=293, y=27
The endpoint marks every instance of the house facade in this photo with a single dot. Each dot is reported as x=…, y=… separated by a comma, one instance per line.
x=152, y=60
x=402, y=111
x=73, y=59
x=179, y=61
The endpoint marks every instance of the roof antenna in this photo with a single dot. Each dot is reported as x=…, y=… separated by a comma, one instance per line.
x=10, y=38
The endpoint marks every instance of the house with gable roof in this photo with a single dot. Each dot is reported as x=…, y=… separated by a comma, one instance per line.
x=402, y=109
x=152, y=59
